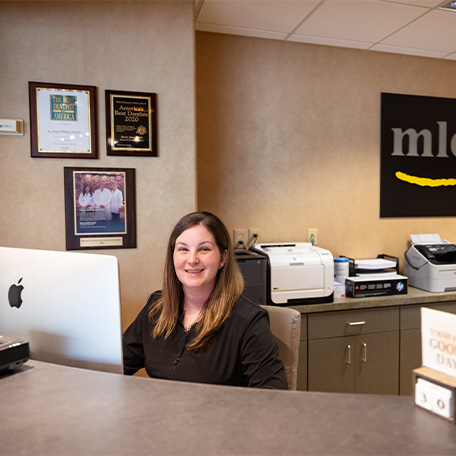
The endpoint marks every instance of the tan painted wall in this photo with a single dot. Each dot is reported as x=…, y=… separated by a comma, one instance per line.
x=137, y=46
x=288, y=133
x=289, y=139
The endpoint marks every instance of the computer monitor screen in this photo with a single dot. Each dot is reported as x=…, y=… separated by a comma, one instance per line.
x=65, y=304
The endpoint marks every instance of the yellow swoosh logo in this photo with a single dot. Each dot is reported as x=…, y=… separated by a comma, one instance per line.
x=425, y=181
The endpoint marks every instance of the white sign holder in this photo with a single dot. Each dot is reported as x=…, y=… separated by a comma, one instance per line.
x=435, y=381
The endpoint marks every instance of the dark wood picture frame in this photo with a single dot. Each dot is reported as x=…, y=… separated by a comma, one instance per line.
x=63, y=120
x=131, y=123
x=100, y=208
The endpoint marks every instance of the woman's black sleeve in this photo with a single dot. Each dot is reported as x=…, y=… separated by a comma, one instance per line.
x=132, y=340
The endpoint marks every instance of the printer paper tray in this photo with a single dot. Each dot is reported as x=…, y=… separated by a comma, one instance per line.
x=309, y=279
x=283, y=297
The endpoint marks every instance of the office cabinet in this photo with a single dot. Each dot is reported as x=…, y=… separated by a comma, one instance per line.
x=354, y=351
x=365, y=349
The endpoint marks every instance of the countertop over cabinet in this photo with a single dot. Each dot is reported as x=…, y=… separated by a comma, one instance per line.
x=57, y=410
x=368, y=345
x=414, y=296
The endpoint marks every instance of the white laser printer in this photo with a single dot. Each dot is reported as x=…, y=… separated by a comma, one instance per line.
x=430, y=263
x=298, y=273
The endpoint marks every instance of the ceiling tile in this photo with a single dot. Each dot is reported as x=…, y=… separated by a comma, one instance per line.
x=367, y=20
x=273, y=15
x=412, y=27
x=434, y=31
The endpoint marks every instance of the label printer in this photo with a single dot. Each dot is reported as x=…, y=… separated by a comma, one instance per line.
x=298, y=273
x=430, y=263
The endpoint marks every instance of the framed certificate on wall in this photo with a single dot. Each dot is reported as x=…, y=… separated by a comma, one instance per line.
x=63, y=120
x=100, y=208
x=131, y=123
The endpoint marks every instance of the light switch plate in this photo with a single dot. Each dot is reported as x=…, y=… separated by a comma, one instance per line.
x=11, y=126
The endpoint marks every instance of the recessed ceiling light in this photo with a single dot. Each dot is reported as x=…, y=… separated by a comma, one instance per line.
x=451, y=6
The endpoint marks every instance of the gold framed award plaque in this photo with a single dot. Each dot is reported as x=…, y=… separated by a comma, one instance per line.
x=131, y=123
x=62, y=120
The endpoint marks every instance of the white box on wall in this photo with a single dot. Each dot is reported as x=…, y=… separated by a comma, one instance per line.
x=11, y=126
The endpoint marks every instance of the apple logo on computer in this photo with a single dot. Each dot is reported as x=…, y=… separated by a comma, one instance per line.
x=14, y=294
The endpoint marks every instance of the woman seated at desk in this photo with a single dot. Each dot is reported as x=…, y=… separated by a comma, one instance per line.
x=199, y=328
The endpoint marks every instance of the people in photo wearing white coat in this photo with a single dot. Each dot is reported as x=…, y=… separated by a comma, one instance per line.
x=116, y=202
x=102, y=198
x=86, y=198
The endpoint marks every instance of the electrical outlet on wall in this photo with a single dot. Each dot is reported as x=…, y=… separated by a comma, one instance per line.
x=312, y=235
x=240, y=237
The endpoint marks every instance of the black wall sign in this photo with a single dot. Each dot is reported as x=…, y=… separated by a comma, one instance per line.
x=418, y=156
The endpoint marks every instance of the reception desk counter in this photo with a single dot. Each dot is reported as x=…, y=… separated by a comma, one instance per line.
x=48, y=409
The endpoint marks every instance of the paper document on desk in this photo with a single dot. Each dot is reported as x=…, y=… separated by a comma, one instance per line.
x=375, y=263
x=426, y=239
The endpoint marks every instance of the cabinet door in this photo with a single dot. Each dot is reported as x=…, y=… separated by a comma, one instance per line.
x=332, y=364
x=410, y=359
x=377, y=363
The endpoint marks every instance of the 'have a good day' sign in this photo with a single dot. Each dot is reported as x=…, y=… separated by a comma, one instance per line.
x=438, y=339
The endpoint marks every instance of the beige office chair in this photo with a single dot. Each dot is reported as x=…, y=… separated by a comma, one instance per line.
x=286, y=328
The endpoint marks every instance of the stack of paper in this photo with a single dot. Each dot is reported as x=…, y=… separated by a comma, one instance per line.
x=374, y=266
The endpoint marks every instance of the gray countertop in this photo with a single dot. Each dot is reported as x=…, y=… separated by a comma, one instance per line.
x=413, y=296
x=55, y=410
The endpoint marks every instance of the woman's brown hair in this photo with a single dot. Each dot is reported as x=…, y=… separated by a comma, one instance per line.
x=228, y=286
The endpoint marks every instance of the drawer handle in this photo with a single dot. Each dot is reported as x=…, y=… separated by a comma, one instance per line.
x=349, y=361
x=356, y=323
x=364, y=359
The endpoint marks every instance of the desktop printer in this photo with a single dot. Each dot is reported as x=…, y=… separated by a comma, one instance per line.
x=430, y=263
x=298, y=273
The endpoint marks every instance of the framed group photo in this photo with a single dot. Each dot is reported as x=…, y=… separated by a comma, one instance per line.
x=131, y=123
x=100, y=208
x=63, y=120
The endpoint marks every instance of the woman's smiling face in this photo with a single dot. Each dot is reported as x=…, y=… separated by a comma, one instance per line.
x=197, y=259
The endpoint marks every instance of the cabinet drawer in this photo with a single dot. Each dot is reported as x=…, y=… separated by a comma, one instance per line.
x=352, y=322
x=411, y=315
